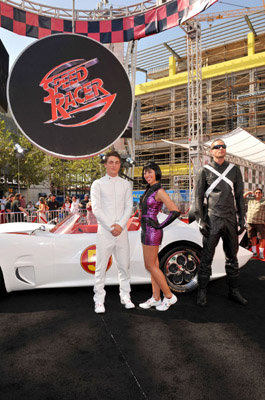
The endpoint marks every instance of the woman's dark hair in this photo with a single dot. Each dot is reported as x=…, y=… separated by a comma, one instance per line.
x=155, y=167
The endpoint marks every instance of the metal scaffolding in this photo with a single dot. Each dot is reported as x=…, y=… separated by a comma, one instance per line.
x=177, y=108
x=101, y=13
x=195, y=124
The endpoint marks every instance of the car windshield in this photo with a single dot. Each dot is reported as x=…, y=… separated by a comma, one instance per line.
x=76, y=223
x=86, y=223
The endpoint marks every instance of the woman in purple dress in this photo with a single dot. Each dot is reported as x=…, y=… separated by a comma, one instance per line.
x=152, y=232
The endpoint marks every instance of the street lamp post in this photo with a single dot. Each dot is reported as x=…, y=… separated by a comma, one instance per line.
x=20, y=152
x=18, y=182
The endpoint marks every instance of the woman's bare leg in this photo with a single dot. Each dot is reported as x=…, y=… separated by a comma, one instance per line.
x=152, y=265
x=155, y=289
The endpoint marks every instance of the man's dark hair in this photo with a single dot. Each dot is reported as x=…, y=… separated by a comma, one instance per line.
x=155, y=167
x=111, y=154
x=258, y=189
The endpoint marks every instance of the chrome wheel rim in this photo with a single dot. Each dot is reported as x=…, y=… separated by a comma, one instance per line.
x=180, y=270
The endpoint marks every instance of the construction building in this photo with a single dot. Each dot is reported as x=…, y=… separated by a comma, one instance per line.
x=233, y=95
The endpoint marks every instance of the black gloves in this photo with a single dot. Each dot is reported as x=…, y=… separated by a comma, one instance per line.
x=171, y=217
x=204, y=228
x=241, y=226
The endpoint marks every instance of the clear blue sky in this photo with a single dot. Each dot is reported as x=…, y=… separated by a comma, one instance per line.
x=15, y=43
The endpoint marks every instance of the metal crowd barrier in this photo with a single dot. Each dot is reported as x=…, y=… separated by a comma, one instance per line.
x=33, y=216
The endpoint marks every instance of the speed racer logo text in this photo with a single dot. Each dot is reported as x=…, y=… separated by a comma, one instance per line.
x=72, y=92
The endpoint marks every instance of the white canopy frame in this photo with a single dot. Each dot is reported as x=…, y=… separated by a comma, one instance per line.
x=243, y=149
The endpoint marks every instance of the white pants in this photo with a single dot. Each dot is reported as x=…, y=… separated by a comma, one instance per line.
x=118, y=246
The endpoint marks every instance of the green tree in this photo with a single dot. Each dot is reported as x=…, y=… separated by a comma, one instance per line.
x=8, y=163
x=65, y=175
x=85, y=172
x=36, y=167
x=57, y=173
x=33, y=166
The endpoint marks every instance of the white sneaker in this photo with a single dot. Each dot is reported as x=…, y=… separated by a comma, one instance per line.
x=150, y=303
x=99, y=308
x=127, y=303
x=166, y=303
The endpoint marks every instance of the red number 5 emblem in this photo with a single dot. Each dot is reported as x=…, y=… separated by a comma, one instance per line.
x=88, y=259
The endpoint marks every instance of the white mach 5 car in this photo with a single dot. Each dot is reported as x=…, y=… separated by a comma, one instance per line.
x=65, y=256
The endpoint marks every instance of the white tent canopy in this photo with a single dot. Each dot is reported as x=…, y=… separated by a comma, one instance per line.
x=242, y=144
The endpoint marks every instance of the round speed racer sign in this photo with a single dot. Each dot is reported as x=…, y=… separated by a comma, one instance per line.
x=70, y=96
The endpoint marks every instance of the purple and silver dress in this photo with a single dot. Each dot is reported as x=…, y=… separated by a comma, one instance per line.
x=150, y=208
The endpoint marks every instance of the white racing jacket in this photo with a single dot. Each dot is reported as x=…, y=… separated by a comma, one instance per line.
x=112, y=201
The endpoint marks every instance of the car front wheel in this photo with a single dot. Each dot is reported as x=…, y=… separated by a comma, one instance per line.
x=180, y=267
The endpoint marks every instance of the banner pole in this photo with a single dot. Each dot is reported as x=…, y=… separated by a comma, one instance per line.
x=73, y=17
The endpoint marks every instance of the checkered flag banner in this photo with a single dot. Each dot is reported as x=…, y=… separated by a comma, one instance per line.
x=153, y=21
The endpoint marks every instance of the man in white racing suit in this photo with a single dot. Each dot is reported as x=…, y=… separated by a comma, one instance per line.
x=220, y=184
x=111, y=199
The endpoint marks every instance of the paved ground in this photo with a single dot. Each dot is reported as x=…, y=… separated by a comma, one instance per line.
x=53, y=346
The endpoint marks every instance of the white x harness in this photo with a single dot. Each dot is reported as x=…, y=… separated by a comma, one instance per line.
x=221, y=177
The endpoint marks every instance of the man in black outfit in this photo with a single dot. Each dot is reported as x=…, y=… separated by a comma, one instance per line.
x=83, y=203
x=220, y=183
x=53, y=207
x=8, y=207
x=17, y=210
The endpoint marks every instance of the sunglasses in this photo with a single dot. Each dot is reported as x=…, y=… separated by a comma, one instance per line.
x=219, y=146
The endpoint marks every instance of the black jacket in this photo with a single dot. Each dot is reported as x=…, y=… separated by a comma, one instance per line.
x=223, y=201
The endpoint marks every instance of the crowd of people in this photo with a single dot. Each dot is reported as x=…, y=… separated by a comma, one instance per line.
x=15, y=209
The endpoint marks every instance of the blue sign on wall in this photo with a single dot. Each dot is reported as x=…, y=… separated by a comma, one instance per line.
x=183, y=193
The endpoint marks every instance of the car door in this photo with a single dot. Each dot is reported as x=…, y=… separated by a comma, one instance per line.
x=74, y=259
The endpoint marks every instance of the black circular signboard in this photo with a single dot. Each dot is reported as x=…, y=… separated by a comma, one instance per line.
x=70, y=96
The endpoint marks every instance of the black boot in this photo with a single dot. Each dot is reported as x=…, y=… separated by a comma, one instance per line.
x=202, y=291
x=235, y=295
x=201, y=297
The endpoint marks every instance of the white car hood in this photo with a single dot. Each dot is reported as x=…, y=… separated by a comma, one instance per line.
x=23, y=227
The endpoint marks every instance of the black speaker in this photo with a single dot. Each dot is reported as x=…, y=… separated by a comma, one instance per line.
x=4, y=64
